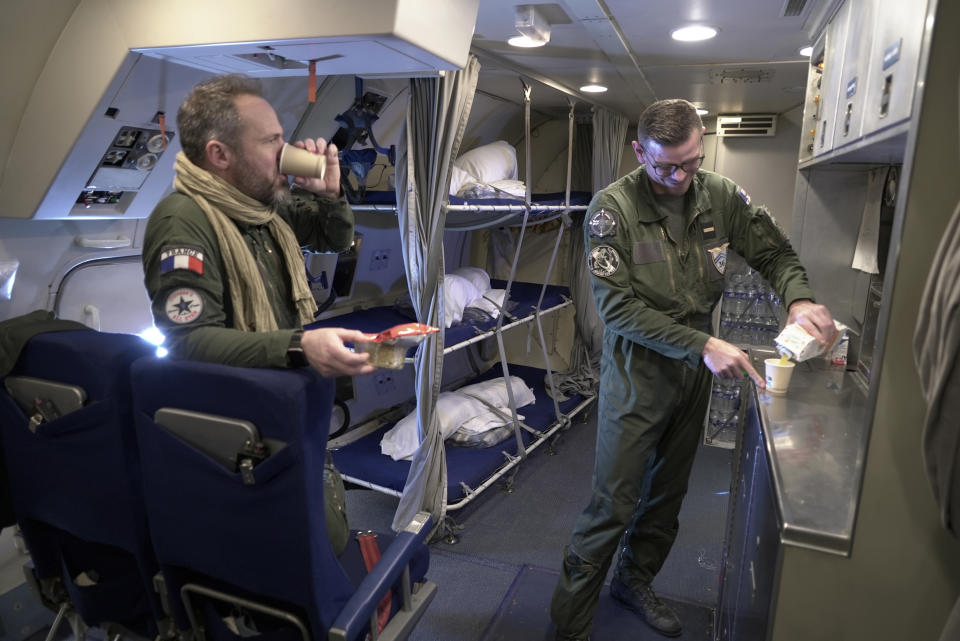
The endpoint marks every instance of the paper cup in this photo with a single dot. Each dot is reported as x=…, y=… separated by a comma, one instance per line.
x=778, y=375
x=295, y=161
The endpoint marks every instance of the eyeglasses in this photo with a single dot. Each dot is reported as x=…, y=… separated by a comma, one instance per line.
x=668, y=169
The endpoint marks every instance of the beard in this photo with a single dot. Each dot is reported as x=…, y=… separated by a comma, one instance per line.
x=271, y=191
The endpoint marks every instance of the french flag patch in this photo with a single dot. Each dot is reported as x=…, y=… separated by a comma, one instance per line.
x=190, y=258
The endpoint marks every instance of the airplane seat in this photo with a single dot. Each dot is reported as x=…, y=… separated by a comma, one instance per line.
x=233, y=463
x=71, y=457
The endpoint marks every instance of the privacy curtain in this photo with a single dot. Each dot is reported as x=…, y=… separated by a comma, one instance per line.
x=436, y=119
x=609, y=137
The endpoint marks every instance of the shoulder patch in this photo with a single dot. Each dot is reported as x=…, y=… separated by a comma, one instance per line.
x=603, y=224
x=183, y=305
x=744, y=196
x=181, y=257
x=603, y=261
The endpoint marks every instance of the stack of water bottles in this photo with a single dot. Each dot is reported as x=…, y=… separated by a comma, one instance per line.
x=750, y=310
x=749, y=316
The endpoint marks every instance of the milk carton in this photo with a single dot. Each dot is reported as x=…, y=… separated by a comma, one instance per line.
x=795, y=343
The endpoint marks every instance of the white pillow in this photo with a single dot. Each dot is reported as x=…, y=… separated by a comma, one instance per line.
x=487, y=163
x=490, y=302
x=457, y=292
x=453, y=410
x=487, y=421
x=459, y=178
x=476, y=275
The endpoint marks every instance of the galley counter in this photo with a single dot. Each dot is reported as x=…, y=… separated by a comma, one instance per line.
x=796, y=480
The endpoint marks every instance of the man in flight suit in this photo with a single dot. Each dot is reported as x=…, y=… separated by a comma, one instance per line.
x=222, y=254
x=657, y=241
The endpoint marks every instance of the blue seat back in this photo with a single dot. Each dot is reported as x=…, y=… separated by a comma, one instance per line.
x=267, y=538
x=74, y=481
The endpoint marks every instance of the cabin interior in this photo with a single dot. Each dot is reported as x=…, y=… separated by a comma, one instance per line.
x=810, y=522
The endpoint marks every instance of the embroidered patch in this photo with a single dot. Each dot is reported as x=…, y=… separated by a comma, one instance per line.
x=744, y=196
x=603, y=224
x=183, y=306
x=183, y=257
x=603, y=261
x=719, y=256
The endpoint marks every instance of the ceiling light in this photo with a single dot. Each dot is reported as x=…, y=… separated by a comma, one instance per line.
x=693, y=33
x=523, y=41
x=806, y=51
x=701, y=111
x=593, y=88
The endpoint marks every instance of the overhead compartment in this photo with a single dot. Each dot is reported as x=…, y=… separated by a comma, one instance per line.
x=97, y=136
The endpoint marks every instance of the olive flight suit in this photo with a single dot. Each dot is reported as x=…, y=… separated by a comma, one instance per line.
x=187, y=281
x=190, y=296
x=655, y=293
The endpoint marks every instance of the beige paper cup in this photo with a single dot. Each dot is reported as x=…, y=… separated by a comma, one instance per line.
x=778, y=375
x=295, y=161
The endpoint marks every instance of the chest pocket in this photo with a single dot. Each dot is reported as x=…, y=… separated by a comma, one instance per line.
x=715, y=254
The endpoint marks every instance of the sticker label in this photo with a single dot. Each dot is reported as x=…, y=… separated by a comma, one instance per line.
x=603, y=261
x=190, y=258
x=603, y=224
x=183, y=306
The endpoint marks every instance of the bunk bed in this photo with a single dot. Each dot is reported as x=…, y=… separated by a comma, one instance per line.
x=440, y=478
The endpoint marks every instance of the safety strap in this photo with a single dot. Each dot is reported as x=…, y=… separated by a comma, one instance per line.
x=370, y=552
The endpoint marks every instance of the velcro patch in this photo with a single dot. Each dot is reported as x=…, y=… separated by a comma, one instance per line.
x=183, y=305
x=182, y=257
x=603, y=261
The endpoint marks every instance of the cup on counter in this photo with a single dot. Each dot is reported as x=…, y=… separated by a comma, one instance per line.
x=778, y=375
x=295, y=161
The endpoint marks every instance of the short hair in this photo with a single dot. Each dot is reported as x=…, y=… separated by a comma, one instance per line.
x=668, y=122
x=210, y=113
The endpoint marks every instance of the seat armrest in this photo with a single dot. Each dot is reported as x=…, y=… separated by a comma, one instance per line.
x=355, y=615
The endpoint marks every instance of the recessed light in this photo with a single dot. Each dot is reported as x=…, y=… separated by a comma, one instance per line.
x=806, y=51
x=523, y=41
x=693, y=33
x=593, y=88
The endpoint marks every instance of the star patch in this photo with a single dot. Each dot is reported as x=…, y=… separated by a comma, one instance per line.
x=603, y=224
x=183, y=306
x=182, y=257
x=744, y=196
x=603, y=261
x=719, y=256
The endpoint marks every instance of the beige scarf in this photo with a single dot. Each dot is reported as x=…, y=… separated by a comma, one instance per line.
x=223, y=203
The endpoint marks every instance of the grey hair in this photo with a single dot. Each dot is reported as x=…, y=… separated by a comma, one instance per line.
x=210, y=113
x=668, y=122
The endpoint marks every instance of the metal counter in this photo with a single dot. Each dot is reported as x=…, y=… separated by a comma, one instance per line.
x=816, y=439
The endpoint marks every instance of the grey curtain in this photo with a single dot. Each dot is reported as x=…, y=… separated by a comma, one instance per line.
x=431, y=136
x=609, y=137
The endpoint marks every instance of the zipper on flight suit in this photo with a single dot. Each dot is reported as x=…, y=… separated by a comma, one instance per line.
x=673, y=282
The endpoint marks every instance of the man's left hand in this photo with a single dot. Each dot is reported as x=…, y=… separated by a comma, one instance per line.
x=814, y=318
x=329, y=185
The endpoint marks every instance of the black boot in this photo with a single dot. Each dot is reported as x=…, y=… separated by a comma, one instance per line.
x=645, y=602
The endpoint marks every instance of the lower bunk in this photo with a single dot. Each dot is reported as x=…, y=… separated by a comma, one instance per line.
x=469, y=470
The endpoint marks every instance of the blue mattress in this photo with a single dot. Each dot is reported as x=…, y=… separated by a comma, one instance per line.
x=362, y=458
x=377, y=319
x=552, y=198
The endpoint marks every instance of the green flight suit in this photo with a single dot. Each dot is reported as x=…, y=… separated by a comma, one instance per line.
x=655, y=294
x=187, y=284
x=191, y=302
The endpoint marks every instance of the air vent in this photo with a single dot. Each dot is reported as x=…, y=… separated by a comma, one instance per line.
x=793, y=8
x=746, y=125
